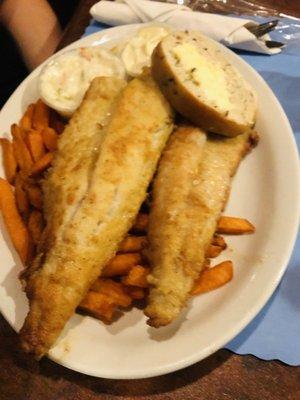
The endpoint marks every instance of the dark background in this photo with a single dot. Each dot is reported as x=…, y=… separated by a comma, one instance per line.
x=12, y=67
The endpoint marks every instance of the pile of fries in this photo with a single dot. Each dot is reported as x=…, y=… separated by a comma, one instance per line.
x=124, y=280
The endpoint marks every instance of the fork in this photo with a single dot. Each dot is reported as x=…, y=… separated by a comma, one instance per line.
x=262, y=29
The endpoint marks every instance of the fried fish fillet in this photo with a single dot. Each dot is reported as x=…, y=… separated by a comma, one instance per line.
x=68, y=181
x=125, y=161
x=189, y=193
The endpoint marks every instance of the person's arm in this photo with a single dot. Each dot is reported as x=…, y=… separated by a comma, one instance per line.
x=34, y=27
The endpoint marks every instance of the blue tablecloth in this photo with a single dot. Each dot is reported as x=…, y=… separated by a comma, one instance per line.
x=275, y=332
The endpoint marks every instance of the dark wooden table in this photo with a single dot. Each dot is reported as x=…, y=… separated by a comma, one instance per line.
x=221, y=376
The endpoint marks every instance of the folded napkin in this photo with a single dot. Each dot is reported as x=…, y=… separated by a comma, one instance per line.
x=230, y=31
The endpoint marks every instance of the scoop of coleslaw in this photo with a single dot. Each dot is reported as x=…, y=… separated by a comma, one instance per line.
x=65, y=79
x=137, y=52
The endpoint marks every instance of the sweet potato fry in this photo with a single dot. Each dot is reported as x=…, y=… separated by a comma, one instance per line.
x=121, y=264
x=13, y=221
x=21, y=152
x=41, y=114
x=26, y=120
x=213, y=278
x=234, y=226
x=36, y=226
x=34, y=194
x=50, y=138
x=9, y=161
x=218, y=240
x=213, y=251
x=35, y=145
x=17, y=130
x=136, y=293
x=98, y=305
x=137, y=276
x=141, y=223
x=42, y=164
x=132, y=244
x=58, y=126
x=30, y=257
x=114, y=290
x=21, y=197
x=56, y=122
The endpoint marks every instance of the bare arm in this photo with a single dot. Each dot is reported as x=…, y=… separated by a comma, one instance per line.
x=34, y=27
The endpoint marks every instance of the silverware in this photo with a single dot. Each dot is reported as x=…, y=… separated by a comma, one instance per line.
x=262, y=29
x=272, y=44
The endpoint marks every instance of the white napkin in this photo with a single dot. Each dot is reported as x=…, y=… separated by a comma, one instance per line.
x=228, y=30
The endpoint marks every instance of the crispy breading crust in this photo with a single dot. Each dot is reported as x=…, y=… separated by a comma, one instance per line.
x=126, y=159
x=67, y=181
x=189, y=193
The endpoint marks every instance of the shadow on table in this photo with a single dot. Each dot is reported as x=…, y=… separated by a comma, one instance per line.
x=53, y=372
x=139, y=387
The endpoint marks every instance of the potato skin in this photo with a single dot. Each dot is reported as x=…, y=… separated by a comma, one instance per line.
x=186, y=103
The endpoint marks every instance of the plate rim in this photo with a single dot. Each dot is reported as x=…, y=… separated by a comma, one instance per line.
x=263, y=299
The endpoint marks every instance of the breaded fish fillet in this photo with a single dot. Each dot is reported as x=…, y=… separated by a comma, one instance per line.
x=126, y=159
x=189, y=193
x=68, y=180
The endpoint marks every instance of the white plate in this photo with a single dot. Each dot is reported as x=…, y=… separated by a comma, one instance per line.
x=265, y=190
